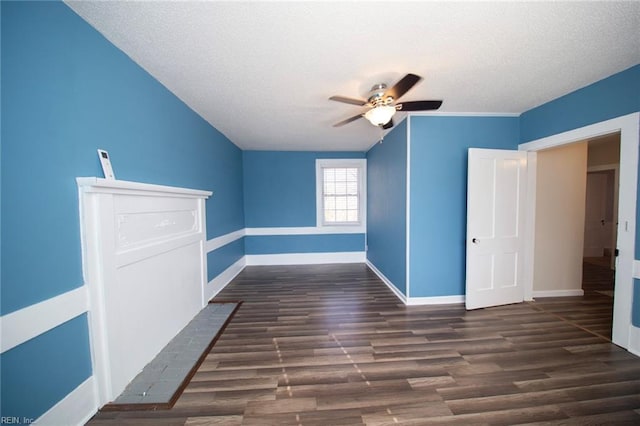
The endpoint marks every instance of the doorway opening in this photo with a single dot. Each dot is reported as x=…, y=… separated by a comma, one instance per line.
x=575, y=238
x=600, y=230
x=623, y=333
x=601, y=213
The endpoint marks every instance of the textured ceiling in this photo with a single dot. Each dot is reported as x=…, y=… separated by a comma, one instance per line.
x=262, y=72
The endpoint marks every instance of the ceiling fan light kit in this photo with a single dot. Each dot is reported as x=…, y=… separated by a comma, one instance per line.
x=381, y=103
x=380, y=115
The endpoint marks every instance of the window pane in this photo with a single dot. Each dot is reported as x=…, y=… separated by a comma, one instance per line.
x=329, y=174
x=352, y=188
x=329, y=203
x=330, y=215
x=341, y=188
x=329, y=188
x=341, y=175
x=352, y=175
x=352, y=203
x=341, y=215
x=341, y=203
x=352, y=215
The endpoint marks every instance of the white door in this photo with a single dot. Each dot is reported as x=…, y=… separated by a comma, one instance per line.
x=495, y=227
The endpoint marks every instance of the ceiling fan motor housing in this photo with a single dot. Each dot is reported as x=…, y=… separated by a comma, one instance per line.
x=376, y=96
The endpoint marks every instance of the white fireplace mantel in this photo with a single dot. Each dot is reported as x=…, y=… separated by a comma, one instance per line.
x=144, y=265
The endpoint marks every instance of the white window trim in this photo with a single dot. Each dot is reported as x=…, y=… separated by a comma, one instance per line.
x=361, y=165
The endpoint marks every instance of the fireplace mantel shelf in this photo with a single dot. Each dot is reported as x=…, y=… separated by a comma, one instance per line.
x=95, y=184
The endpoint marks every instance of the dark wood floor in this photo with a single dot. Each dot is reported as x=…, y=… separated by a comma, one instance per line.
x=593, y=311
x=331, y=345
x=597, y=274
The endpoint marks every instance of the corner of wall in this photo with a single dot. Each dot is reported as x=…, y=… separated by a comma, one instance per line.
x=387, y=282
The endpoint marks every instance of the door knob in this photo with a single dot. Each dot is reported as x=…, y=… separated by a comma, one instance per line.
x=475, y=241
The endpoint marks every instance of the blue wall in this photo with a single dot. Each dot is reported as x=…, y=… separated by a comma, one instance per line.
x=387, y=206
x=315, y=243
x=438, y=195
x=67, y=91
x=280, y=191
x=608, y=98
x=37, y=373
x=220, y=259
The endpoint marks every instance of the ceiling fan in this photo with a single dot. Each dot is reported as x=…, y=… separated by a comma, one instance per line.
x=382, y=103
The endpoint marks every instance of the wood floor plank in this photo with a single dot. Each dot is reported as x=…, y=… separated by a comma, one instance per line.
x=311, y=418
x=509, y=401
x=214, y=421
x=570, y=381
x=405, y=413
x=376, y=399
x=450, y=393
x=619, y=418
x=331, y=345
x=198, y=385
x=543, y=414
x=288, y=405
x=601, y=406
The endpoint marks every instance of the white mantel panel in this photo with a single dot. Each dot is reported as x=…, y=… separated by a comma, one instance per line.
x=152, y=301
x=142, y=228
x=127, y=257
x=144, y=265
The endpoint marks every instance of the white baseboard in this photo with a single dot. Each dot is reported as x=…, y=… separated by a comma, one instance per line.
x=435, y=300
x=75, y=409
x=305, y=258
x=558, y=293
x=221, y=281
x=26, y=323
x=388, y=283
x=415, y=301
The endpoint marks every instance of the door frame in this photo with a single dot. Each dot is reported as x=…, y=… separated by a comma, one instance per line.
x=623, y=333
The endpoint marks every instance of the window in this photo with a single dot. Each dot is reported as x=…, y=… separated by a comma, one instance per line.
x=340, y=189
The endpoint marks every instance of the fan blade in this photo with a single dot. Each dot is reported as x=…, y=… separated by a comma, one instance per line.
x=388, y=125
x=348, y=120
x=348, y=100
x=403, y=86
x=419, y=106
